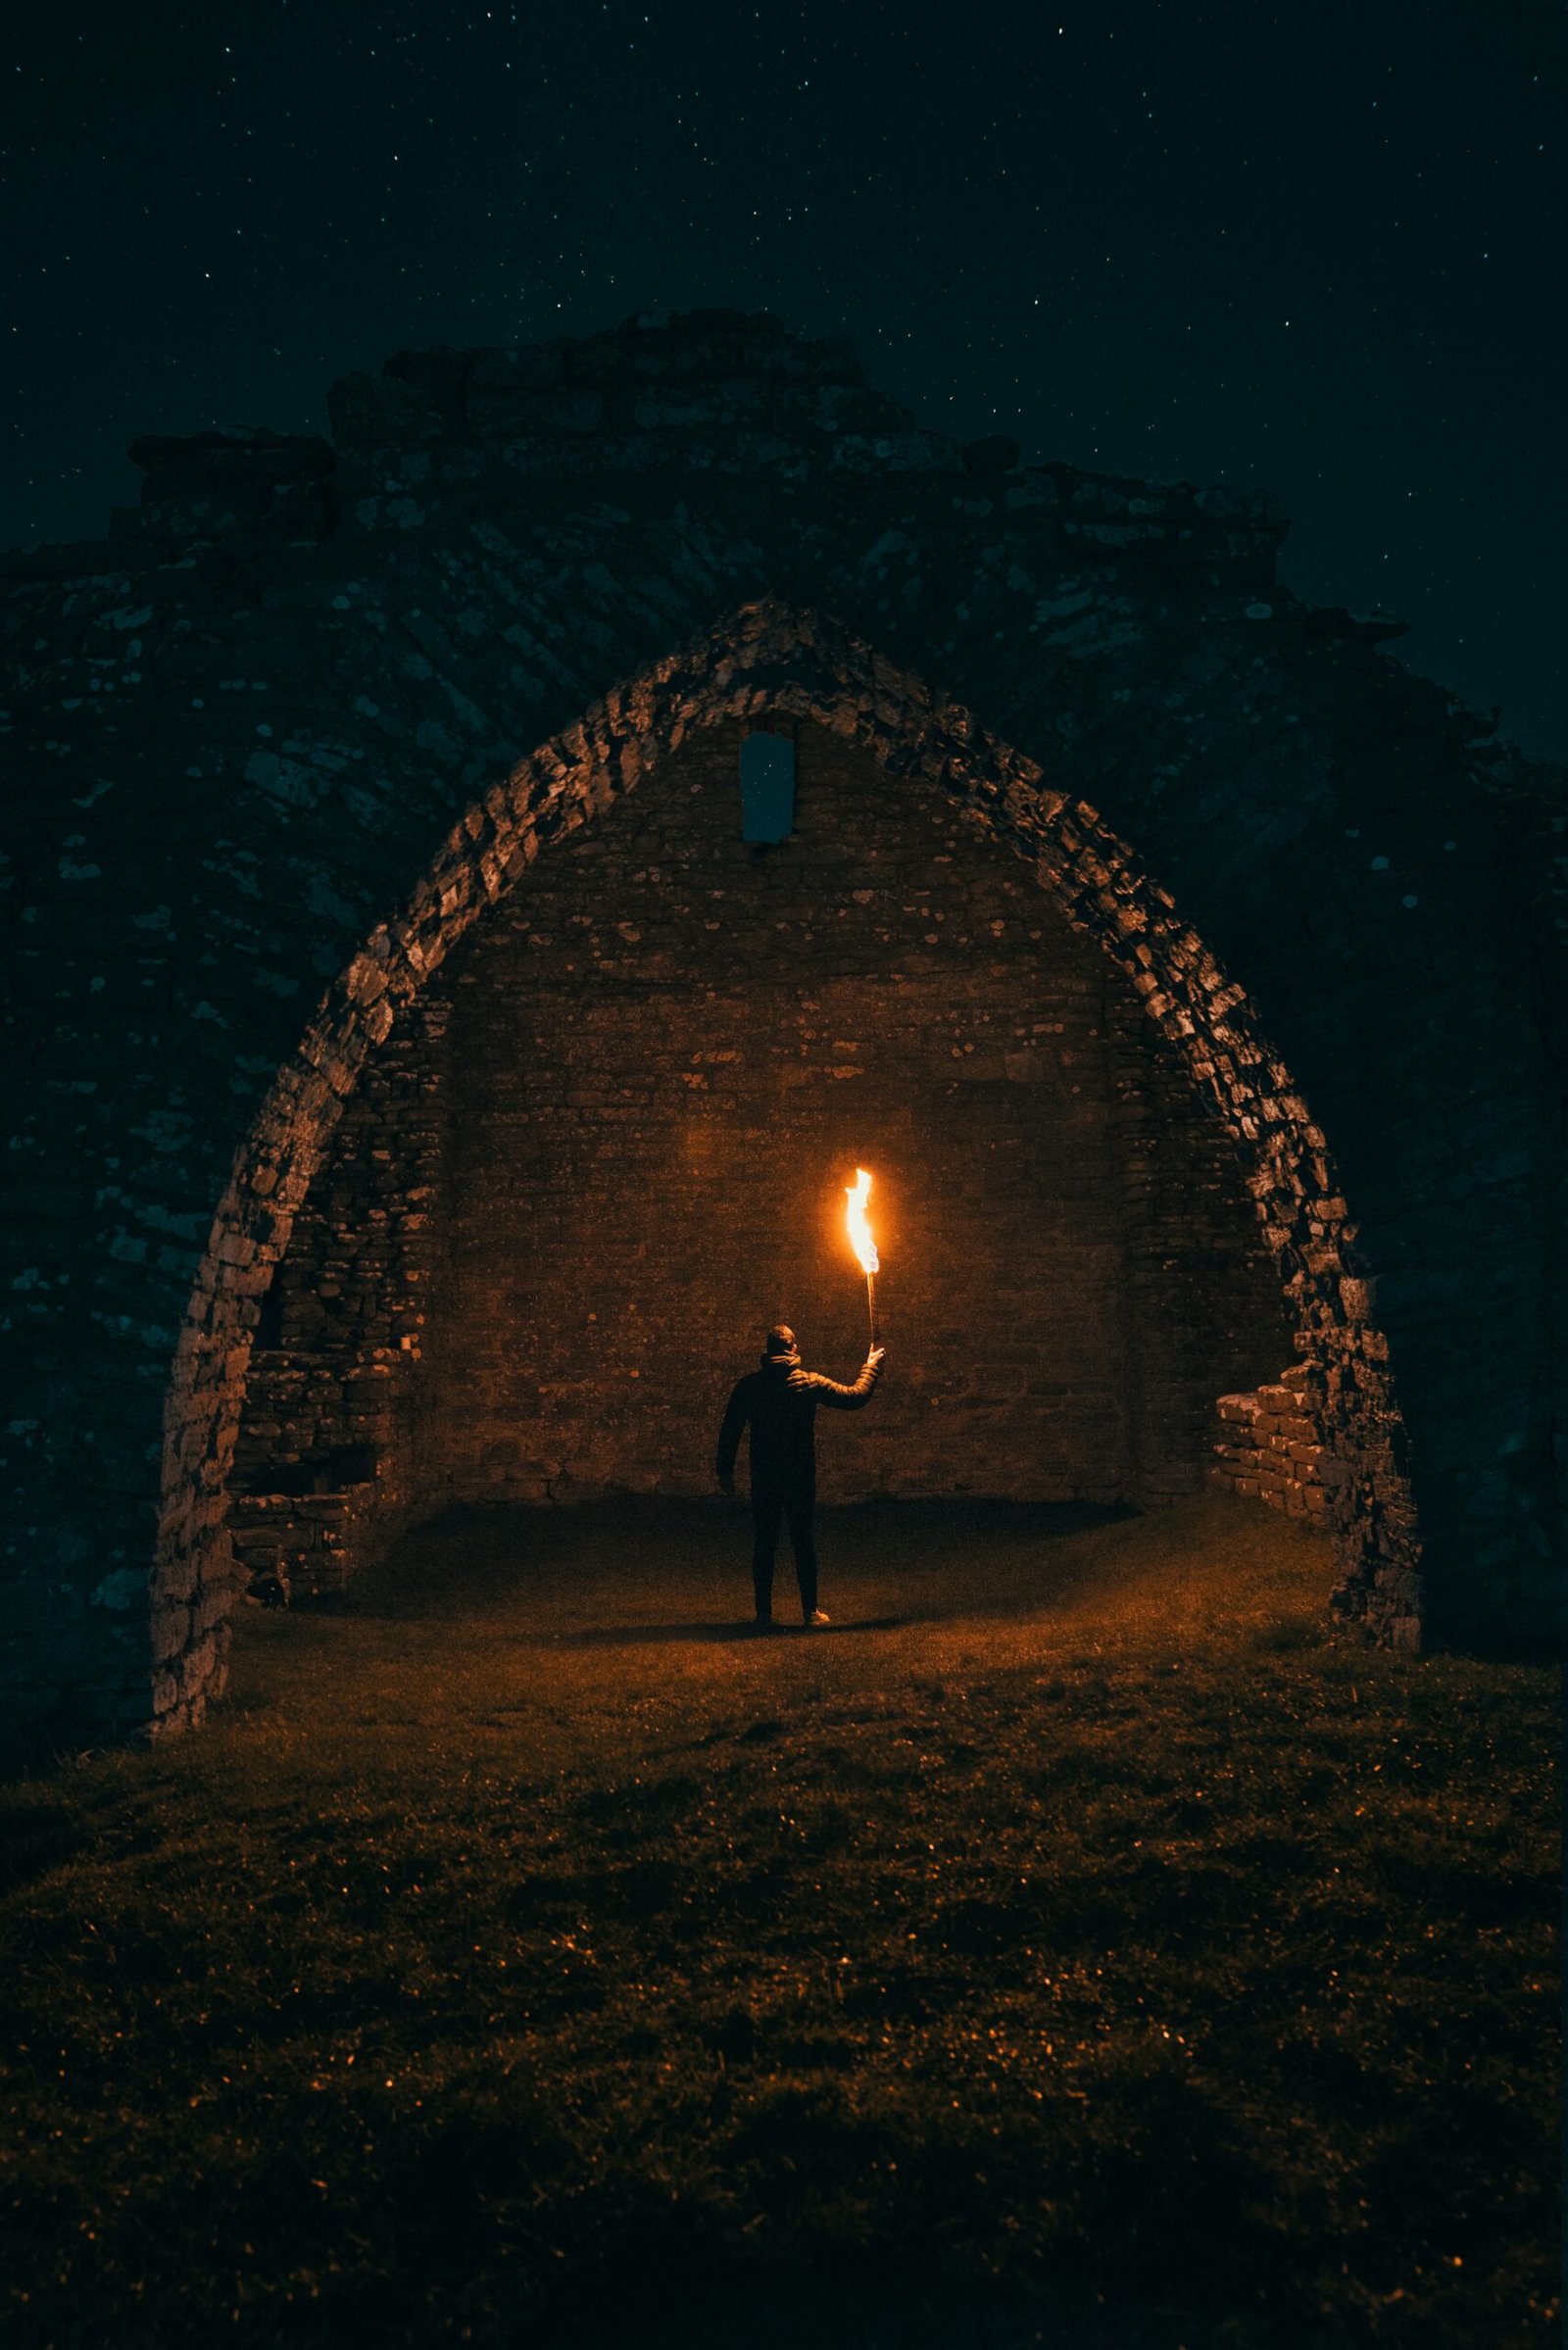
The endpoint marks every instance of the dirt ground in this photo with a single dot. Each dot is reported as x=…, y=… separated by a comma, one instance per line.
x=583, y=1619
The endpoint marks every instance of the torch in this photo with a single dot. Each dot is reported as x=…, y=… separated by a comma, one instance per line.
x=860, y=1240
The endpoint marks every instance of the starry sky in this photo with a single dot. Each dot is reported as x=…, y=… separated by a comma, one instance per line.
x=1319, y=248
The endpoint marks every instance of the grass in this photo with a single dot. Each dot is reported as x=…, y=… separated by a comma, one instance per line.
x=1069, y=1947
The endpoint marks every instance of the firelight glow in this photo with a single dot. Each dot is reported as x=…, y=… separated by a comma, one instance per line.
x=856, y=1193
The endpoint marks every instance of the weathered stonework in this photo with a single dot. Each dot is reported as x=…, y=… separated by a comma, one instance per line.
x=1271, y=1447
x=660, y=1057
x=325, y=1471
x=249, y=719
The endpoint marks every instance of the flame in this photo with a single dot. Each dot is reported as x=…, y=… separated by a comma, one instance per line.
x=856, y=1193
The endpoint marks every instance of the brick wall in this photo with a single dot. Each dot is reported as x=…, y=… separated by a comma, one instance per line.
x=657, y=1064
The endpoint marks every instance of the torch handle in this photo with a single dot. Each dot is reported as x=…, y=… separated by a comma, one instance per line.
x=870, y=1304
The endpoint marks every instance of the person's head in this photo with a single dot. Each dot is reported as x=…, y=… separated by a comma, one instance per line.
x=780, y=1340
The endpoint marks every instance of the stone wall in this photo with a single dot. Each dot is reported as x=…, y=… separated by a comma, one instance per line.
x=765, y=665
x=240, y=733
x=326, y=1466
x=1270, y=1447
x=663, y=1054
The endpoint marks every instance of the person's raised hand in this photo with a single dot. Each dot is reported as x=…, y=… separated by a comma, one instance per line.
x=876, y=1354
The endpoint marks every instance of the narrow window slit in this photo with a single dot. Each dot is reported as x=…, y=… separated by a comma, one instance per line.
x=767, y=788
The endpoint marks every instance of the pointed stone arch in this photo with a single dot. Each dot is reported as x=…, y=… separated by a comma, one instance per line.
x=768, y=658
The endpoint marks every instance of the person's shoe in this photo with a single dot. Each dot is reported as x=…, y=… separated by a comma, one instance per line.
x=764, y=1624
x=816, y=1618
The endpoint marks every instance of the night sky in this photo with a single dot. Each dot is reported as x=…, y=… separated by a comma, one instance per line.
x=1319, y=249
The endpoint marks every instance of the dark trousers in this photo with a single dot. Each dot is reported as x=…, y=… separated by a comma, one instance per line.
x=795, y=1502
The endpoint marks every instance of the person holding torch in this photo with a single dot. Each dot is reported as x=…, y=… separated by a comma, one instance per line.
x=779, y=1402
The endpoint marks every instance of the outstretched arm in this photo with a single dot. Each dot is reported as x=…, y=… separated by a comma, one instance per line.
x=736, y=1414
x=849, y=1398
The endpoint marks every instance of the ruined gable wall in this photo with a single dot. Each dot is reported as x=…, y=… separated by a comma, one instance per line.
x=238, y=728
x=662, y=1055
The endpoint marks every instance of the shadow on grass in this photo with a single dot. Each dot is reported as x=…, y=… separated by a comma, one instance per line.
x=476, y=1559
x=698, y=1633
x=838, y=2303
x=37, y=1836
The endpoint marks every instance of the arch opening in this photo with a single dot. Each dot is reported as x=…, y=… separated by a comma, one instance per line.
x=657, y=1093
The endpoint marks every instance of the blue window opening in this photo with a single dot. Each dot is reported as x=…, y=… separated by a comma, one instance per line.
x=767, y=788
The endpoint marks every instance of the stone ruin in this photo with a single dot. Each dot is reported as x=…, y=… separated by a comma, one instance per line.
x=421, y=1087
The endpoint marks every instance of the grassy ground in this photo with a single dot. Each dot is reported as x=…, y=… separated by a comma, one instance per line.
x=1067, y=1946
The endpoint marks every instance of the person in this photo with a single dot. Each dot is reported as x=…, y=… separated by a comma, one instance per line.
x=779, y=1402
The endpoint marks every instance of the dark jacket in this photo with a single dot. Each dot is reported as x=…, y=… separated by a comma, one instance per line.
x=778, y=1403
